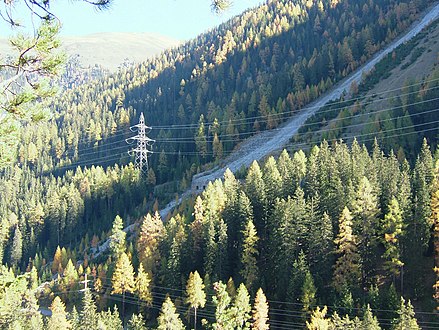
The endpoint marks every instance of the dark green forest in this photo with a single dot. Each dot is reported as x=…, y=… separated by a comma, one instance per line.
x=324, y=235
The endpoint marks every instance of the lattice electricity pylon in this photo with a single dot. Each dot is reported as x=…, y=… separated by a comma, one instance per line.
x=141, y=151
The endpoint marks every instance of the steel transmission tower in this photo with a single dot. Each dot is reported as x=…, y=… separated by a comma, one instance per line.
x=141, y=151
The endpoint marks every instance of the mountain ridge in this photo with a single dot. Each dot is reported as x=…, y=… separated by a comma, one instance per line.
x=111, y=49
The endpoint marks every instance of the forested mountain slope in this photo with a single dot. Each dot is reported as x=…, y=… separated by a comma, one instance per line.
x=396, y=103
x=202, y=99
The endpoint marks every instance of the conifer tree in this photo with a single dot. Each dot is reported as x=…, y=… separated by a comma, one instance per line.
x=347, y=266
x=241, y=308
x=260, y=312
x=366, y=211
x=318, y=320
x=57, y=259
x=117, y=238
x=58, y=320
x=369, y=322
x=151, y=234
x=110, y=320
x=406, y=317
x=272, y=181
x=169, y=318
x=75, y=319
x=123, y=278
x=221, y=300
x=196, y=228
x=70, y=274
x=200, y=138
x=222, y=257
x=255, y=190
x=195, y=295
x=308, y=296
x=88, y=315
x=231, y=288
x=249, y=253
x=142, y=286
x=136, y=322
x=17, y=246
x=392, y=229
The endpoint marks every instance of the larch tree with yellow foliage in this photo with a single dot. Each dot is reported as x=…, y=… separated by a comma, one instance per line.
x=123, y=278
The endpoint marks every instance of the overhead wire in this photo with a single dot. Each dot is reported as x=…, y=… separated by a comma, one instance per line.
x=323, y=130
x=292, y=114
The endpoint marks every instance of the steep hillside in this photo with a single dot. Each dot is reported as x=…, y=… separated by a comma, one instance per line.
x=397, y=103
x=341, y=225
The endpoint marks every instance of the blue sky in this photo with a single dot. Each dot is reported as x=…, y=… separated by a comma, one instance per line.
x=179, y=19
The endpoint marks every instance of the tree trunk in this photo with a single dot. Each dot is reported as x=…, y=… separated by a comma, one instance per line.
x=195, y=321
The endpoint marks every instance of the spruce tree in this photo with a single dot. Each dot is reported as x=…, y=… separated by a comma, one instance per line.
x=221, y=300
x=365, y=224
x=308, y=296
x=318, y=320
x=406, y=317
x=255, y=190
x=392, y=229
x=260, y=312
x=88, y=315
x=117, y=238
x=195, y=295
x=17, y=246
x=58, y=320
x=74, y=318
x=143, y=287
x=249, y=253
x=169, y=318
x=369, y=322
x=136, y=322
x=241, y=308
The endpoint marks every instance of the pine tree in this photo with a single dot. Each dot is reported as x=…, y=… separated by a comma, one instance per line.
x=123, y=278
x=406, y=317
x=117, y=238
x=249, y=269
x=260, y=312
x=58, y=320
x=392, y=228
x=88, y=315
x=347, y=266
x=169, y=318
x=195, y=295
x=142, y=286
